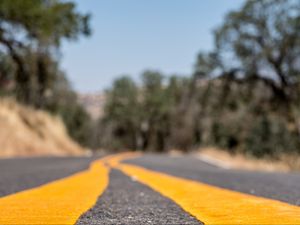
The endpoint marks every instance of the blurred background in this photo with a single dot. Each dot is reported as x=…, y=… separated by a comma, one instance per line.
x=219, y=77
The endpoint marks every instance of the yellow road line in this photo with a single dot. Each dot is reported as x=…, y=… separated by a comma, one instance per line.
x=213, y=205
x=63, y=201
x=59, y=202
x=114, y=160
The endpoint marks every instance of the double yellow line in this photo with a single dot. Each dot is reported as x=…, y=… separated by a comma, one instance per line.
x=59, y=202
x=65, y=200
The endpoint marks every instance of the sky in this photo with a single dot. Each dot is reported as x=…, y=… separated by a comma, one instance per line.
x=130, y=36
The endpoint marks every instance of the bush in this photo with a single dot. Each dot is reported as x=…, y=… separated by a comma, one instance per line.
x=270, y=137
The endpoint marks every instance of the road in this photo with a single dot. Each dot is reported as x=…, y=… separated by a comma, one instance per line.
x=143, y=189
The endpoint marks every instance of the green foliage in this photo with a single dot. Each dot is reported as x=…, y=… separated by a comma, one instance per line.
x=261, y=42
x=64, y=103
x=155, y=106
x=270, y=137
x=78, y=123
x=122, y=113
x=31, y=33
x=6, y=74
x=138, y=118
x=43, y=20
x=243, y=96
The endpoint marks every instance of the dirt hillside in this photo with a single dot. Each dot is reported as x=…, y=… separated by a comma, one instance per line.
x=28, y=132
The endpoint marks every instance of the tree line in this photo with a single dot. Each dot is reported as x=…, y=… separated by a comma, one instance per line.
x=243, y=95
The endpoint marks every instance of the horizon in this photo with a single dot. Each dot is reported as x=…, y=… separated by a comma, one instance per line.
x=130, y=37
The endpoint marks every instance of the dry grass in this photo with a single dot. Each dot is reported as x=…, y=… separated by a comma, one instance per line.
x=239, y=161
x=28, y=132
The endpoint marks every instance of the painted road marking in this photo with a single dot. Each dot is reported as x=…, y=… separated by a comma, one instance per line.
x=59, y=202
x=65, y=200
x=213, y=205
x=114, y=160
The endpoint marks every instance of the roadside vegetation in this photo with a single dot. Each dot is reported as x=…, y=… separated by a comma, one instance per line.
x=31, y=34
x=242, y=97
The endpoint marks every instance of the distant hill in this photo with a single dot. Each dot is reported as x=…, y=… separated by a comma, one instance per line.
x=93, y=103
x=28, y=132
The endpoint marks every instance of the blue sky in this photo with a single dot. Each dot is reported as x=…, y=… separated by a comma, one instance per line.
x=130, y=36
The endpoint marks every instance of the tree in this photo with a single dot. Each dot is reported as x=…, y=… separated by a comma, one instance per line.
x=7, y=71
x=261, y=42
x=240, y=97
x=64, y=102
x=156, y=111
x=122, y=113
x=37, y=28
x=181, y=96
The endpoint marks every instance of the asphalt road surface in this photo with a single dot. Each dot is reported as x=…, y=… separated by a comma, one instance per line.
x=21, y=174
x=126, y=200
x=279, y=186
